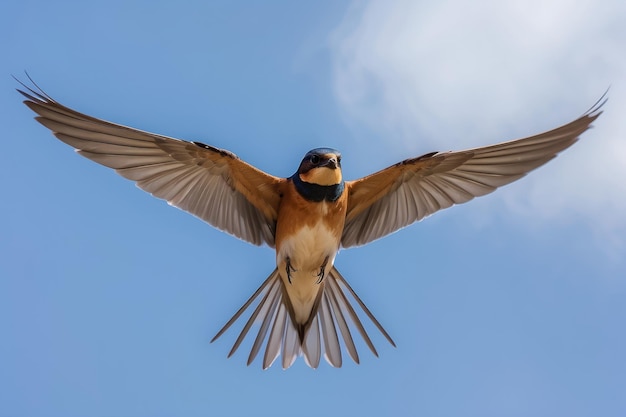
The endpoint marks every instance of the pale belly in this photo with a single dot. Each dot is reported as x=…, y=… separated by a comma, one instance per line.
x=307, y=250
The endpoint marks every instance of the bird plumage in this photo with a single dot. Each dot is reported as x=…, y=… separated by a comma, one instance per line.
x=305, y=304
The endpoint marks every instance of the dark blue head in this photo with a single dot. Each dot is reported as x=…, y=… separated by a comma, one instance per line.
x=321, y=166
x=319, y=175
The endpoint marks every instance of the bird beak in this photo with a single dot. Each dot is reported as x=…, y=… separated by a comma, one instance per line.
x=331, y=163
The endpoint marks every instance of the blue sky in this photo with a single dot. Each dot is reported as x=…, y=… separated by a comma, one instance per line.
x=510, y=305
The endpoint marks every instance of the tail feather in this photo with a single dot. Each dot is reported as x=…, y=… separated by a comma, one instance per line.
x=276, y=337
x=291, y=344
x=312, y=347
x=340, y=279
x=332, y=349
x=343, y=325
x=266, y=286
x=269, y=309
x=273, y=313
x=263, y=308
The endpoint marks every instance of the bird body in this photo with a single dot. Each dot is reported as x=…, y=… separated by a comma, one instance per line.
x=308, y=232
x=305, y=305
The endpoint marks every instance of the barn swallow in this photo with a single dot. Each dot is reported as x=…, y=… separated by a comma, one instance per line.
x=305, y=305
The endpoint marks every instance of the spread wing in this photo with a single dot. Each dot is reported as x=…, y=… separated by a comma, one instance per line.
x=210, y=183
x=410, y=190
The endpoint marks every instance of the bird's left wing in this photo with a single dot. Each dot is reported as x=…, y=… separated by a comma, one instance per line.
x=210, y=183
x=410, y=190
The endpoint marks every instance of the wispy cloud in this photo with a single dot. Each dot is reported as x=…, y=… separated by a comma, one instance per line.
x=453, y=74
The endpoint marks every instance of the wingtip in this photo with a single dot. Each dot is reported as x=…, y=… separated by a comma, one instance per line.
x=34, y=92
x=597, y=108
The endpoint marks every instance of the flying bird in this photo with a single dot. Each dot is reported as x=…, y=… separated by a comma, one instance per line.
x=305, y=306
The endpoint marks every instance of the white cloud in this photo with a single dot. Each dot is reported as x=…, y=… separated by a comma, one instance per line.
x=453, y=74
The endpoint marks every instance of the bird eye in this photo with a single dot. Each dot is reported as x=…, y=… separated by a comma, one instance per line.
x=314, y=159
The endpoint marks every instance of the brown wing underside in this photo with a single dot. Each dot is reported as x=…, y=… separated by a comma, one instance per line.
x=210, y=183
x=406, y=192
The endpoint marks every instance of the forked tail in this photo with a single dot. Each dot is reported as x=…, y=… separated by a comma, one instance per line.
x=332, y=311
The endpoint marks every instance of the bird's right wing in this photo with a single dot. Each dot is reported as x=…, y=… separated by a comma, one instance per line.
x=210, y=183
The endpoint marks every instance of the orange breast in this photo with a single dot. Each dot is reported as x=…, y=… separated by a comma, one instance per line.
x=295, y=213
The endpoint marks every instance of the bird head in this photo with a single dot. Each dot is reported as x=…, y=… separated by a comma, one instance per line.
x=321, y=166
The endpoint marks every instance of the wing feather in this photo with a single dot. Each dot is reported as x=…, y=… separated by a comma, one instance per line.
x=210, y=183
x=407, y=192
